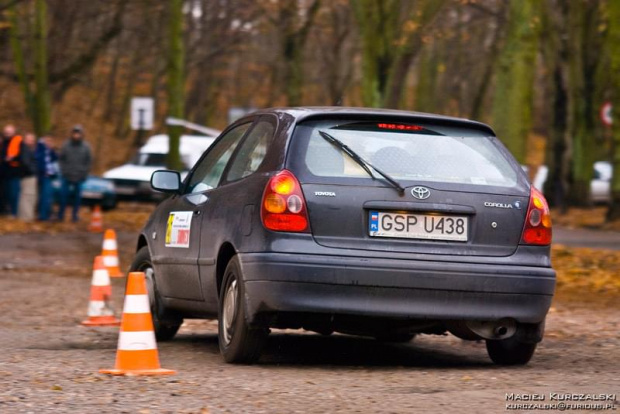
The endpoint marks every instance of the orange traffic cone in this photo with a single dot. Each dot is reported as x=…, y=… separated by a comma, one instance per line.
x=96, y=220
x=110, y=254
x=137, y=349
x=100, y=313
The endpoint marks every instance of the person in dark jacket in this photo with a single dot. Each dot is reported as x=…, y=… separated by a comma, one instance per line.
x=28, y=182
x=75, y=162
x=47, y=171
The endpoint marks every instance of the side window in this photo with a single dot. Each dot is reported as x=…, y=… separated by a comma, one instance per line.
x=208, y=173
x=252, y=152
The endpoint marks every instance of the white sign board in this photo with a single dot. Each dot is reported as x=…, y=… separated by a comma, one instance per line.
x=142, y=113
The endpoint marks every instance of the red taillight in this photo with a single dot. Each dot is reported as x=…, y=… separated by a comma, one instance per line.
x=284, y=207
x=537, y=228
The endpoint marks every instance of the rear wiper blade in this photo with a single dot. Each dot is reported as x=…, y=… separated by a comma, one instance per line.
x=361, y=161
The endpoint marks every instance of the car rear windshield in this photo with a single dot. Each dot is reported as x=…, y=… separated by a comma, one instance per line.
x=409, y=152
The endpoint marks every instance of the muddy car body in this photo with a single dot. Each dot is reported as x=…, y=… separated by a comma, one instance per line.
x=419, y=224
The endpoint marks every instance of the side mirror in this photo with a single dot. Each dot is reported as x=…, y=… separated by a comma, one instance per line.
x=166, y=181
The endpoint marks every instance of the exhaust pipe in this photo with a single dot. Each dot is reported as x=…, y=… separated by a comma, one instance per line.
x=502, y=329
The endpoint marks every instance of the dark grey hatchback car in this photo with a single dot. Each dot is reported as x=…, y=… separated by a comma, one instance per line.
x=367, y=222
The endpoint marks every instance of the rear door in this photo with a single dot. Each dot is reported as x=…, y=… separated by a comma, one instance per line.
x=464, y=194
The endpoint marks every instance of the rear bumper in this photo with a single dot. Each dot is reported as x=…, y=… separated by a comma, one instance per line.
x=396, y=289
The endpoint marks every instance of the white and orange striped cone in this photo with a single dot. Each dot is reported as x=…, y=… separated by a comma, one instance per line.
x=137, y=348
x=109, y=252
x=96, y=220
x=100, y=313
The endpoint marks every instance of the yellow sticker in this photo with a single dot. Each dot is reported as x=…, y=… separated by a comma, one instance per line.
x=169, y=228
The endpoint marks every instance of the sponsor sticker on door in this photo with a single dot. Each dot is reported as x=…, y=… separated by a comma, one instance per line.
x=178, y=229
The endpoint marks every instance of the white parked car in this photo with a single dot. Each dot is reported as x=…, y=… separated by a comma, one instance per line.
x=600, y=186
x=132, y=180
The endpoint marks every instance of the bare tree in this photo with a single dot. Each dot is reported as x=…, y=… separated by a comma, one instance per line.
x=176, y=80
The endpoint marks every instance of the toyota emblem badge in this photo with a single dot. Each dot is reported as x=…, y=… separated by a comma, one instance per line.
x=421, y=193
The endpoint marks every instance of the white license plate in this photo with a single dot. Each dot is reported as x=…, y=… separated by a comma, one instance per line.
x=92, y=195
x=418, y=226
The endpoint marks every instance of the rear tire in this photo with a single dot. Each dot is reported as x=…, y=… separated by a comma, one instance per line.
x=510, y=351
x=165, y=324
x=239, y=343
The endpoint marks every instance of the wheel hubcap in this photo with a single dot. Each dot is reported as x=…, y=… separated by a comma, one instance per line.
x=229, y=311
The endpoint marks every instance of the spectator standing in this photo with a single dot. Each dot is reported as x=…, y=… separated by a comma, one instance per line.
x=75, y=162
x=28, y=182
x=12, y=167
x=3, y=186
x=47, y=171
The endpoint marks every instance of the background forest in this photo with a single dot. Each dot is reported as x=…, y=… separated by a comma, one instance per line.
x=538, y=71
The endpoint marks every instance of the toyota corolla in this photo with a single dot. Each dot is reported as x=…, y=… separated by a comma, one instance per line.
x=377, y=223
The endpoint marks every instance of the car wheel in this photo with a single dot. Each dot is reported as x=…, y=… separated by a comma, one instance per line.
x=510, y=351
x=239, y=343
x=395, y=337
x=164, y=324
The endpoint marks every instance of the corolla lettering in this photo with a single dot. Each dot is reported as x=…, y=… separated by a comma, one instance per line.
x=497, y=205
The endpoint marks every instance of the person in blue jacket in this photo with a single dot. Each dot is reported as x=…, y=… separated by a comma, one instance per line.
x=47, y=171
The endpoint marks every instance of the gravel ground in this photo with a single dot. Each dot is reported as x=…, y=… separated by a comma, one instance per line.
x=49, y=363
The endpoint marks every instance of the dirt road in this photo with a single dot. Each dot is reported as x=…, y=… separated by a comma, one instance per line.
x=48, y=363
x=578, y=237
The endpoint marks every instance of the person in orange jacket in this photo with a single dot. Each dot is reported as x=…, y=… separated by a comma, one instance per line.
x=12, y=166
x=3, y=179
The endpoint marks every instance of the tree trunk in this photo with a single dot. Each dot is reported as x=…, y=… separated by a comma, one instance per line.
x=176, y=80
x=294, y=58
x=513, y=99
x=42, y=113
x=391, y=35
x=555, y=55
x=583, y=158
x=20, y=64
x=428, y=73
x=413, y=30
x=613, y=51
x=558, y=147
x=376, y=22
x=477, y=104
x=294, y=43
